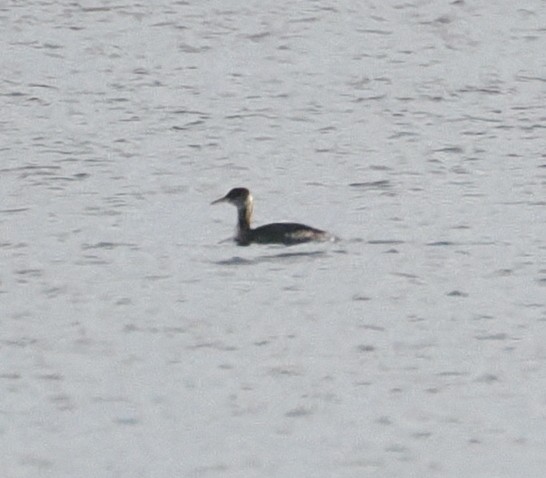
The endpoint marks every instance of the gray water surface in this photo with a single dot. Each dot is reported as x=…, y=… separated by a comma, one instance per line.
x=136, y=342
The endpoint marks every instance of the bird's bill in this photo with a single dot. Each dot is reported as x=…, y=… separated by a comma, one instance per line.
x=224, y=199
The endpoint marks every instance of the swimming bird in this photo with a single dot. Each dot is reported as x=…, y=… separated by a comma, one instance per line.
x=287, y=233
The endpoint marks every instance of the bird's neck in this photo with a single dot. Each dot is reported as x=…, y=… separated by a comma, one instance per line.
x=244, y=213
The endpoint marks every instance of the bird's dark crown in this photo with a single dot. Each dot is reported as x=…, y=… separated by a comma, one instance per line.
x=237, y=193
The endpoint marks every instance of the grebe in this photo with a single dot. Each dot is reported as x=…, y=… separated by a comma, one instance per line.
x=287, y=233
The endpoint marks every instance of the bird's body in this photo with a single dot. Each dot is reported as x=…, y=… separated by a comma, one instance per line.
x=287, y=233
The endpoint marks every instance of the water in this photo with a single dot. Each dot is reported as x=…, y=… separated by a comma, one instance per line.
x=134, y=342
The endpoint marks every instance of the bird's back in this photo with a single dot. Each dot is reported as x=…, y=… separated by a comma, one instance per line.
x=287, y=233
